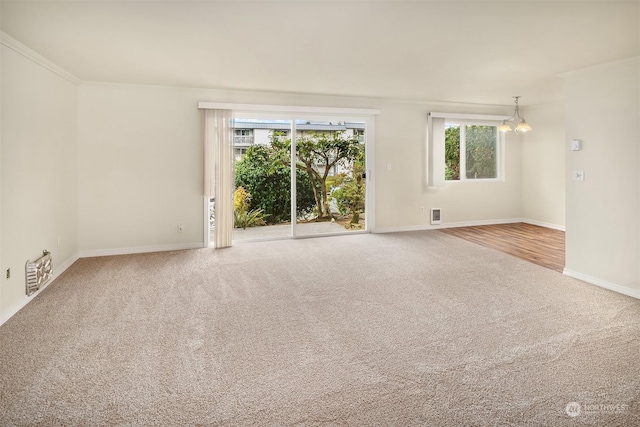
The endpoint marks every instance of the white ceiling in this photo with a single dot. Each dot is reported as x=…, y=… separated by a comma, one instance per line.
x=476, y=52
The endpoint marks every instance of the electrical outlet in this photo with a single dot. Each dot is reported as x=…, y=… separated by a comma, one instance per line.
x=181, y=228
x=8, y=273
x=578, y=175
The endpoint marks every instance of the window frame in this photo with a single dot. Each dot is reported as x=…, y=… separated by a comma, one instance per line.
x=435, y=151
x=463, y=152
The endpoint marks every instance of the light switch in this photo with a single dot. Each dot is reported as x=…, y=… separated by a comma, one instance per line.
x=576, y=145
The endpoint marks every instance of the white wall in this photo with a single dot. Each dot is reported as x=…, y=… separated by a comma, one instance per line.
x=2, y=316
x=603, y=110
x=543, y=165
x=1, y=126
x=140, y=168
x=402, y=191
x=39, y=171
x=140, y=165
x=262, y=136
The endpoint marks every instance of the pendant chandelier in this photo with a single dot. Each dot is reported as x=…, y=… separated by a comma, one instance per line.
x=515, y=123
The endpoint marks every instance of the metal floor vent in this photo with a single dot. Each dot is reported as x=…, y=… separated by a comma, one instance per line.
x=38, y=272
x=435, y=216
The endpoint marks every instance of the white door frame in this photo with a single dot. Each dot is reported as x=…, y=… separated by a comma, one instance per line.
x=294, y=113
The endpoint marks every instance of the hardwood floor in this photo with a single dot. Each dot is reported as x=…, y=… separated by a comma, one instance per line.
x=539, y=245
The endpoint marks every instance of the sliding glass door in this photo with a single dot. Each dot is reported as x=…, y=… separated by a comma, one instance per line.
x=297, y=177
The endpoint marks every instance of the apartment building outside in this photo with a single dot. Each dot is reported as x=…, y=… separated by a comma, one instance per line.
x=249, y=132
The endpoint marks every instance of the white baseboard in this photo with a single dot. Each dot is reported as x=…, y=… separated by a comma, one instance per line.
x=467, y=224
x=139, y=250
x=543, y=224
x=24, y=300
x=380, y=230
x=447, y=225
x=635, y=293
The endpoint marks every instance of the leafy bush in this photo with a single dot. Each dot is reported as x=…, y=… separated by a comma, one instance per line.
x=350, y=191
x=452, y=153
x=242, y=215
x=481, y=151
x=269, y=183
x=252, y=218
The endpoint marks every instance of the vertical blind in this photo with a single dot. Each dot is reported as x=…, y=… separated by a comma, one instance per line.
x=436, y=152
x=218, y=172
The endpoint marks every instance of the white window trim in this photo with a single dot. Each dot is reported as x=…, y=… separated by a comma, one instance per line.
x=435, y=146
x=287, y=109
x=472, y=117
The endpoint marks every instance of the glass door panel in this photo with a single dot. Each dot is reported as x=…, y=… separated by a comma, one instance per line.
x=262, y=198
x=331, y=177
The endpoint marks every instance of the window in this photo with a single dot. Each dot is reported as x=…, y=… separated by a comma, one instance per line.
x=243, y=137
x=239, y=153
x=471, y=151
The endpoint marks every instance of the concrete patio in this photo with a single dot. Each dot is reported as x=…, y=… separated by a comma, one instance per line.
x=284, y=230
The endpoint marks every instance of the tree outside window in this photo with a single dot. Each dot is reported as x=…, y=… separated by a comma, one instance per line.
x=471, y=151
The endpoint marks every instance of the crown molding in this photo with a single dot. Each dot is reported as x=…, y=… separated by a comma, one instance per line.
x=16, y=46
x=600, y=67
x=230, y=92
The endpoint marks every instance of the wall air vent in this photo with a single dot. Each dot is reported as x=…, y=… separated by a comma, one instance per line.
x=38, y=272
x=435, y=216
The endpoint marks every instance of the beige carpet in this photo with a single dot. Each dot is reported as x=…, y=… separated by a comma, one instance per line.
x=398, y=329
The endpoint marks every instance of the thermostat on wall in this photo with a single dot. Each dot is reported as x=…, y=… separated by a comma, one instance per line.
x=576, y=145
